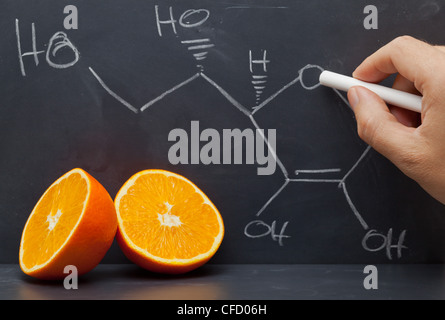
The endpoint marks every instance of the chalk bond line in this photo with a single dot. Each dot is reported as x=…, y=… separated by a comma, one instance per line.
x=112, y=93
x=162, y=96
x=273, y=197
x=353, y=208
x=227, y=95
x=274, y=153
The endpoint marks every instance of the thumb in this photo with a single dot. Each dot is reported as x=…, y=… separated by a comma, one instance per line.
x=379, y=128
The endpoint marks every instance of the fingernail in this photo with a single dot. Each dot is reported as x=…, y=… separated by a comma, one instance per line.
x=353, y=97
x=353, y=73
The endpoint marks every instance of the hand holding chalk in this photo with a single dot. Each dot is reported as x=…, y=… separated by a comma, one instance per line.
x=395, y=97
x=414, y=142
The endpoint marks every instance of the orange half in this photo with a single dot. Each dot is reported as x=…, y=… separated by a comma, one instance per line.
x=73, y=223
x=166, y=224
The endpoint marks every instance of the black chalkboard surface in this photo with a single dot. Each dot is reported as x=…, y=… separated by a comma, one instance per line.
x=115, y=95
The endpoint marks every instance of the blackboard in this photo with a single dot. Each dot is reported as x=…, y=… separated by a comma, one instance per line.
x=106, y=96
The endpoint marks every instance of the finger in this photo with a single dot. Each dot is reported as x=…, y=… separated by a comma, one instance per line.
x=406, y=117
x=415, y=60
x=403, y=84
x=378, y=127
x=441, y=48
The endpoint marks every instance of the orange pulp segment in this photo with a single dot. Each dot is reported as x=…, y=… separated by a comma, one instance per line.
x=73, y=223
x=165, y=223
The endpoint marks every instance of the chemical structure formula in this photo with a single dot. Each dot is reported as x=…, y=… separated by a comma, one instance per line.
x=168, y=20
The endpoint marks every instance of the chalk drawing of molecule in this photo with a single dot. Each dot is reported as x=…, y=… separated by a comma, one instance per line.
x=199, y=49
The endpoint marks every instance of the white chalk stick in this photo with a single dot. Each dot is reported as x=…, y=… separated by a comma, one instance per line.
x=392, y=96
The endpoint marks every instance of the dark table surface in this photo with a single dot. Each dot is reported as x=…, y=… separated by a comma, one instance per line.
x=234, y=282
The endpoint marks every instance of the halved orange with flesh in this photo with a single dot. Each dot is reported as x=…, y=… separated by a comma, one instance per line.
x=166, y=223
x=73, y=223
